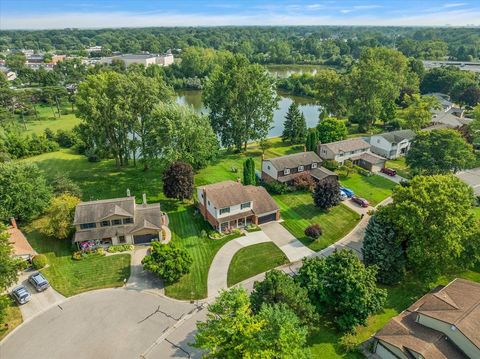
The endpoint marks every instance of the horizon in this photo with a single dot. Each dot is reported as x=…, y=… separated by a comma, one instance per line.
x=88, y=14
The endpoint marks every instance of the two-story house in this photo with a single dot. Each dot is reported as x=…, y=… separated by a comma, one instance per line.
x=356, y=150
x=443, y=324
x=393, y=144
x=229, y=205
x=285, y=168
x=118, y=221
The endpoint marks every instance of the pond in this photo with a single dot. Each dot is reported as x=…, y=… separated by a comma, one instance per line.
x=309, y=109
x=287, y=70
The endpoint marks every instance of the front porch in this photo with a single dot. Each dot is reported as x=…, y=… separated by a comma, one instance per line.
x=236, y=223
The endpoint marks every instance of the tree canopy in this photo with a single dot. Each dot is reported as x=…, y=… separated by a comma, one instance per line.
x=178, y=181
x=295, y=127
x=331, y=129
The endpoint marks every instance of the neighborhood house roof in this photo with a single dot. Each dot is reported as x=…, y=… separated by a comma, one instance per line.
x=294, y=160
x=353, y=144
x=449, y=119
x=21, y=247
x=95, y=211
x=369, y=157
x=322, y=173
x=230, y=193
x=398, y=136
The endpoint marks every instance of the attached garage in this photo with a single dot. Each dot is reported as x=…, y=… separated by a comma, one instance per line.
x=145, y=238
x=267, y=218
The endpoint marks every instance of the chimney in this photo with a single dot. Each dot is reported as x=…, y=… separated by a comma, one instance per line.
x=304, y=148
x=128, y=192
x=239, y=180
x=144, y=196
x=13, y=222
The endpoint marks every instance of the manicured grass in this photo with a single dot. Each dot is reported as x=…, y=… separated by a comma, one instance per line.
x=13, y=318
x=252, y=260
x=71, y=277
x=66, y=121
x=298, y=212
x=373, y=188
x=400, y=166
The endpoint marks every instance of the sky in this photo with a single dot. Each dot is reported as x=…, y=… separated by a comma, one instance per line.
x=58, y=14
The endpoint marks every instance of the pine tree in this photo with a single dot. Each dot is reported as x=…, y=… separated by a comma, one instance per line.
x=312, y=140
x=295, y=126
x=249, y=172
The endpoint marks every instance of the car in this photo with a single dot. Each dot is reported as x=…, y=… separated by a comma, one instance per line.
x=361, y=201
x=389, y=171
x=21, y=294
x=347, y=191
x=39, y=282
x=343, y=195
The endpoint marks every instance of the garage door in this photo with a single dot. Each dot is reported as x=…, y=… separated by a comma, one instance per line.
x=145, y=238
x=267, y=218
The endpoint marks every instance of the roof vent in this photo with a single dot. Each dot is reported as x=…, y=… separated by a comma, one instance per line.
x=453, y=328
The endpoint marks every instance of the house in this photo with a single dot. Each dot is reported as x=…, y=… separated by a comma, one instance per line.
x=444, y=323
x=285, y=168
x=142, y=59
x=9, y=74
x=392, y=145
x=21, y=247
x=449, y=115
x=229, y=205
x=118, y=221
x=356, y=150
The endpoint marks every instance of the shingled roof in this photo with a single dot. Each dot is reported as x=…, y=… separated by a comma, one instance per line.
x=95, y=211
x=294, y=160
x=353, y=144
x=398, y=136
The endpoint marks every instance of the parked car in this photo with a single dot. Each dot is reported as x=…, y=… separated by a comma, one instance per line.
x=39, y=282
x=21, y=294
x=389, y=171
x=343, y=195
x=361, y=201
x=347, y=191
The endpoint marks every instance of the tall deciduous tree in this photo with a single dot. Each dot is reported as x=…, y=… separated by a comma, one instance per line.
x=435, y=215
x=295, y=126
x=249, y=177
x=8, y=264
x=241, y=98
x=331, y=93
x=417, y=114
x=59, y=216
x=439, y=151
x=326, y=193
x=178, y=181
x=340, y=286
x=331, y=129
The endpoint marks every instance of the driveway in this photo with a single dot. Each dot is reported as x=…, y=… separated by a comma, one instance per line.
x=396, y=178
x=472, y=178
x=292, y=247
x=140, y=279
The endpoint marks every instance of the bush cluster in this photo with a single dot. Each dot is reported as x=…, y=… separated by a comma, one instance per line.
x=120, y=248
x=313, y=231
x=39, y=261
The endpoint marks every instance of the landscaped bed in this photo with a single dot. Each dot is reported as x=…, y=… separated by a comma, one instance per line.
x=298, y=212
x=252, y=260
x=373, y=188
x=13, y=318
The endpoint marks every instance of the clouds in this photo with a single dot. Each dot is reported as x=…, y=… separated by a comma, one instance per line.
x=455, y=4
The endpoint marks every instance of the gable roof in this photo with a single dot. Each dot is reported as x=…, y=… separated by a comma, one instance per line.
x=397, y=136
x=95, y=211
x=294, y=160
x=19, y=242
x=352, y=144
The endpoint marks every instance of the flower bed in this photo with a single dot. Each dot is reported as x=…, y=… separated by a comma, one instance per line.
x=120, y=248
x=79, y=255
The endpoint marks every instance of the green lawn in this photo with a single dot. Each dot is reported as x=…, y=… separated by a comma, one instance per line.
x=71, y=277
x=13, y=318
x=66, y=121
x=373, y=188
x=400, y=166
x=252, y=260
x=298, y=212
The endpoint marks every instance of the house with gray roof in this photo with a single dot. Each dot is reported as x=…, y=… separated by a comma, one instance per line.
x=229, y=205
x=393, y=144
x=118, y=221
x=449, y=114
x=284, y=169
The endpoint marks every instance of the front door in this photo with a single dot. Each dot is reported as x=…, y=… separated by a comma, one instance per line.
x=241, y=222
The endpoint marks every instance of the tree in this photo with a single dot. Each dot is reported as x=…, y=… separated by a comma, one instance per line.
x=312, y=140
x=331, y=129
x=342, y=287
x=417, y=114
x=326, y=193
x=435, y=214
x=167, y=261
x=24, y=193
x=184, y=135
x=249, y=176
x=178, y=181
x=439, y=151
x=280, y=288
x=383, y=247
x=295, y=126
x=9, y=265
x=347, y=167
x=330, y=92
x=59, y=216
x=241, y=98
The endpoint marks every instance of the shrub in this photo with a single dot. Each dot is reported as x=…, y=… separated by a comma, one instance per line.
x=203, y=234
x=331, y=165
x=120, y=248
x=313, y=231
x=167, y=261
x=275, y=187
x=304, y=182
x=349, y=343
x=252, y=228
x=66, y=139
x=363, y=171
x=39, y=261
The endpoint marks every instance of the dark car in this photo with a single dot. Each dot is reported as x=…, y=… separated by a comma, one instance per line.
x=38, y=281
x=361, y=201
x=347, y=191
x=21, y=294
x=389, y=171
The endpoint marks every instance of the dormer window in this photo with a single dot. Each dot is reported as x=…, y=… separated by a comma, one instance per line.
x=116, y=222
x=224, y=210
x=286, y=171
x=128, y=220
x=88, y=225
x=245, y=205
x=300, y=168
x=314, y=165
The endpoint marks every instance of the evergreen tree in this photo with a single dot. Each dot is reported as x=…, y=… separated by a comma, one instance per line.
x=295, y=126
x=249, y=177
x=312, y=140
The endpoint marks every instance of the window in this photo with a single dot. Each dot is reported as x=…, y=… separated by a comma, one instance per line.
x=105, y=223
x=116, y=222
x=314, y=165
x=121, y=239
x=286, y=171
x=300, y=168
x=88, y=225
x=378, y=140
x=245, y=205
x=128, y=220
x=224, y=210
x=268, y=167
x=208, y=203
